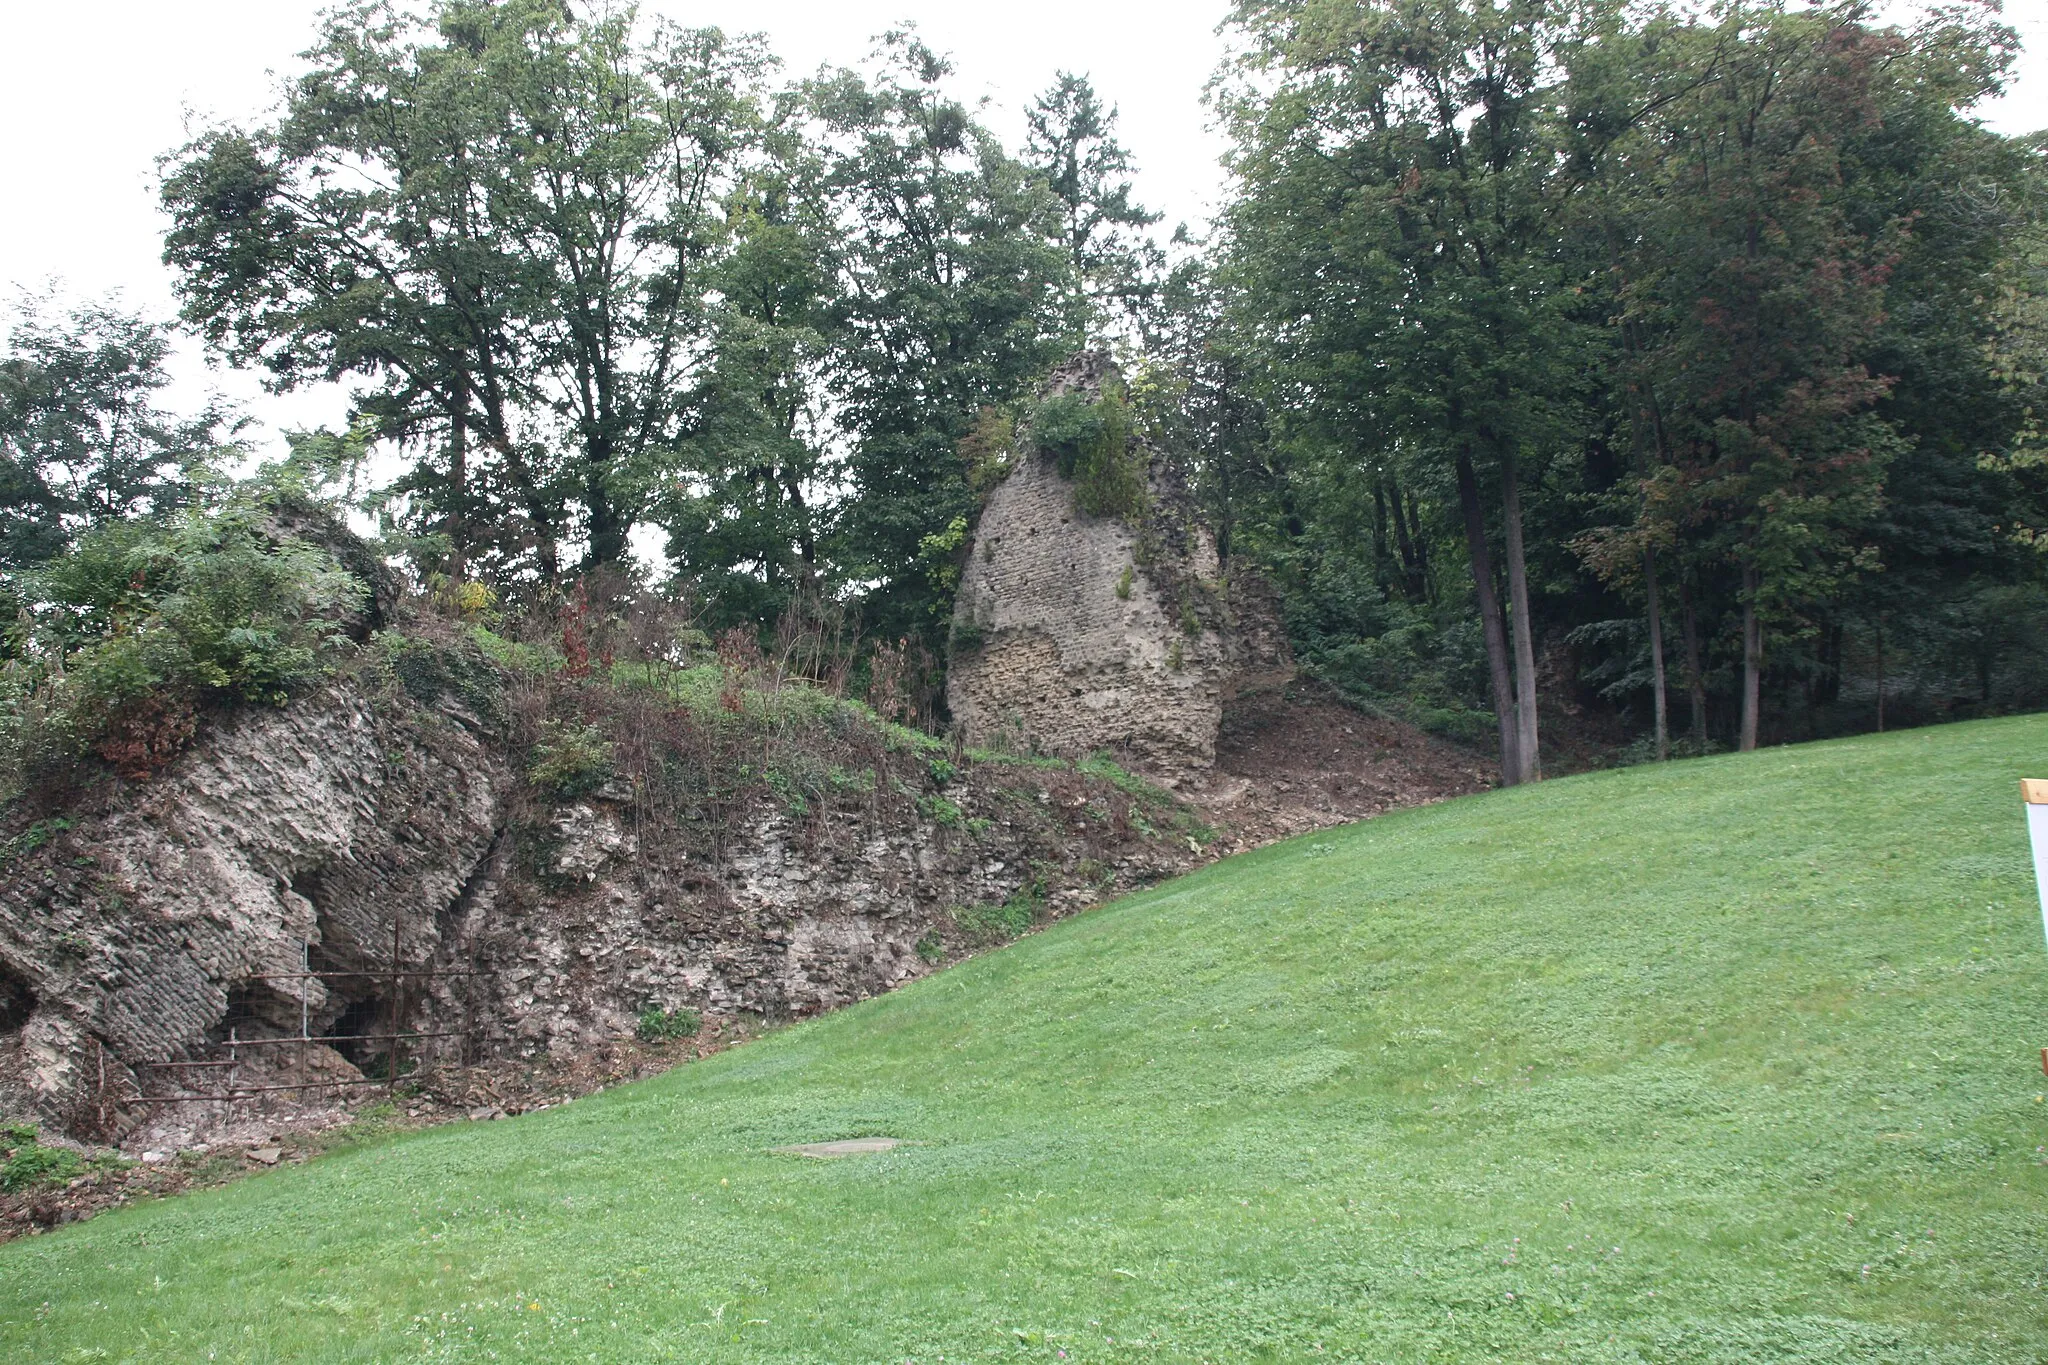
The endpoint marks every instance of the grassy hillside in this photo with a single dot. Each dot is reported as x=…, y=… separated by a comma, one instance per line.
x=1733, y=1060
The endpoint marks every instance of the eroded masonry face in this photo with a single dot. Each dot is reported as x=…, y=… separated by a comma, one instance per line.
x=1075, y=633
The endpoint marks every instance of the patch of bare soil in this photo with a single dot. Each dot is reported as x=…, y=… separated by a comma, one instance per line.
x=1301, y=758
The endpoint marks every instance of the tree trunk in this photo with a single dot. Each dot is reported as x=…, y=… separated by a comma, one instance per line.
x=1422, y=575
x=1696, y=682
x=458, y=485
x=607, y=529
x=1379, y=536
x=1752, y=660
x=1490, y=620
x=1661, y=705
x=1531, y=757
x=1413, y=581
x=1880, y=677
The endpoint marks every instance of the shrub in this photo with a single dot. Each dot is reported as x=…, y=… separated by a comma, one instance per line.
x=657, y=1025
x=26, y=1163
x=33, y=838
x=570, y=761
x=990, y=924
x=429, y=671
x=940, y=811
x=120, y=638
x=1092, y=445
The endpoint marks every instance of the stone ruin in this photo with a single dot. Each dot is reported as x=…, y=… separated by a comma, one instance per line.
x=1074, y=633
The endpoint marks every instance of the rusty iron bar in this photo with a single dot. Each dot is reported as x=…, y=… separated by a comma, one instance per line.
x=350, y=976
x=339, y=1038
x=397, y=996
x=247, y=1091
x=395, y=974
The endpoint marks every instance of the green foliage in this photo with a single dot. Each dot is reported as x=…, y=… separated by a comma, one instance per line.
x=952, y=301
x=987, y=925
x=516, y=657
x=1071, y=145
x=209, y=601
x=33, y=838
x=570, y=760
x=429, y=670
x=940, y=811
x=931, y=949
x=964, y=638
x=25, y=1164
x=82, y=442
x=1791, y=420
x=942, y=771
x=142, y=620
x=593, y=138
x=1124, y=581
x=1418, y=671
x=1092, y=444
x=657, y=1025
x=940, y=554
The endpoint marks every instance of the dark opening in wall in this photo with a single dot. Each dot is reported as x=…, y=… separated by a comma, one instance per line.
x=17, y=1001
x=258, y=1009
x=367, y=1015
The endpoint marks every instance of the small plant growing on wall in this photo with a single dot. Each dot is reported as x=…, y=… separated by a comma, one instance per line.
x=570, y=761
x=657, y=1025
x=1092, y=444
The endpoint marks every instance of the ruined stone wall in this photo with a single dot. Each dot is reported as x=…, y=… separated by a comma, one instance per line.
x=137, y=933
x=1075, y=633
x=1064, y=641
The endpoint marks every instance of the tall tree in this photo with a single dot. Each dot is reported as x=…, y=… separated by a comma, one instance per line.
x=1402, y=168
x=83, y=439
x=748, y=511
x=501, y=217
x=950, y=299
x=1070, y=144
x=1759, y=298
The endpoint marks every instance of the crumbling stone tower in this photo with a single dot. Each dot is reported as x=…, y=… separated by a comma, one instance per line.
x=1092, y=612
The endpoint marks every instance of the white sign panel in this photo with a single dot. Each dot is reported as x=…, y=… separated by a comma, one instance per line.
x=2035, y=792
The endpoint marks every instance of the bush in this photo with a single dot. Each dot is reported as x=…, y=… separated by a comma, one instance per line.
x=121, y=637
x=570, y=761
x=26, y=1163
x=658, y=1025
x=991, y=924
x=1433, y=677
x=429, y=671
x=1092, y=445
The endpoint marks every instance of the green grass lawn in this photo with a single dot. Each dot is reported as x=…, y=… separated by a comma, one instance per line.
x=1729, y=1060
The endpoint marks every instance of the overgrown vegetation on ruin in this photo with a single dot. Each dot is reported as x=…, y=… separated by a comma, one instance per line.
x=1530, y=399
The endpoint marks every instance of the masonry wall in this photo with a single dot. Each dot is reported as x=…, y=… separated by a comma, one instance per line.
x=1064, y=640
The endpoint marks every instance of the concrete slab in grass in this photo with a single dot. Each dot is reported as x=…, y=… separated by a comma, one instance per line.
x=827, y=1151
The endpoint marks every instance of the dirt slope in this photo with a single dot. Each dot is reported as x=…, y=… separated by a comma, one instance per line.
x=1301, y=758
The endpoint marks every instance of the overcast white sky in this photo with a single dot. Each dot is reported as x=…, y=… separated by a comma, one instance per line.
x=93, y=91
